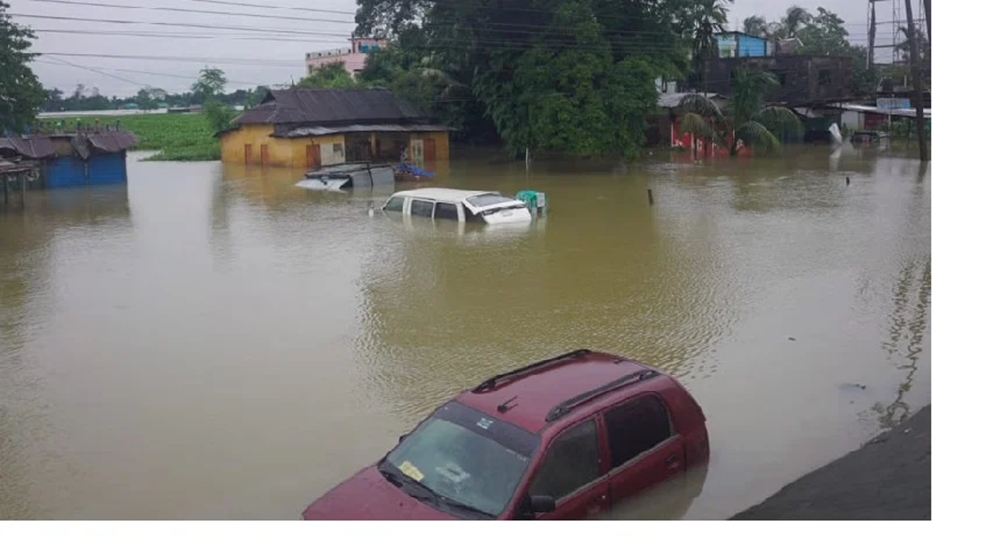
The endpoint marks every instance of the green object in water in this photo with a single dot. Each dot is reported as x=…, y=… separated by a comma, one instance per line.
x=534, y=199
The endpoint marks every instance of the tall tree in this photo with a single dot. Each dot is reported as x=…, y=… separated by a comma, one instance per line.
x=532, y=69
x=755, y=25
x=710, y=17
x=211, y=83
x=795, y=18
x=21, y=94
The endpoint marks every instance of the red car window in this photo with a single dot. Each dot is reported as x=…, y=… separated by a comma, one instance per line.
x=572, y=462
x=636, y=426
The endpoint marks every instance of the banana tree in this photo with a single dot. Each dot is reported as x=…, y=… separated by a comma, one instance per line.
x=746, y=119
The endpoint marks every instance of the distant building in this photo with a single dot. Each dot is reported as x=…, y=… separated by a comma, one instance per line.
x=353, y=57
x=806, y=80
x=313, y=127
x=72, y=159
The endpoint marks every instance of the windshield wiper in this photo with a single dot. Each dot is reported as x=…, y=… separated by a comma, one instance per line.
x=451, y=502
x=391, y=476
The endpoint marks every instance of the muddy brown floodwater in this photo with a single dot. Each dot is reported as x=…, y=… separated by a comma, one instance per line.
x=213, y=342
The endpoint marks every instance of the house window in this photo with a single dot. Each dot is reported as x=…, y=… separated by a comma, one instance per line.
x=825, y=77
x=636, y=427
x=572, y=462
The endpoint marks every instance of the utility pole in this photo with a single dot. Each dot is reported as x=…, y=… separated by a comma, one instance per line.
x=871, y=37
x=918, y=83
x=927, y=14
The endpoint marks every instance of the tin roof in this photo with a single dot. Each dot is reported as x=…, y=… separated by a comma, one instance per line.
x=324, y=130
x=330, y=107
x=41, y=146
x=34, y=147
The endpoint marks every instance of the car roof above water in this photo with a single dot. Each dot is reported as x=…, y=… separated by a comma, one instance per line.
x=539, y=388
x=442, y=194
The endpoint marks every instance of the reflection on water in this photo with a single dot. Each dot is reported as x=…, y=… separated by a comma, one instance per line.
x=208, y=315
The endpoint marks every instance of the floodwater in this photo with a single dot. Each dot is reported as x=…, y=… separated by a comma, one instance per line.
x=212, y=342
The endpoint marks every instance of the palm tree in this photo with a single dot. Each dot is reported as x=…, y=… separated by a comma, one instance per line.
x=755, y=25
x=746, y=119
x=795, y=19
x=710, y=17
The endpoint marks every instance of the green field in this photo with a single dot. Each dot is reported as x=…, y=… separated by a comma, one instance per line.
x=176, y=137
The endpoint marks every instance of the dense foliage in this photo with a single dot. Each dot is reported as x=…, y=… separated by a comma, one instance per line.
x=21, y=94
x=328, y=76
x=567, y=76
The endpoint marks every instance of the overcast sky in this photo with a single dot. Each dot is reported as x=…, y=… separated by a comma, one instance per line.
x=279, y=56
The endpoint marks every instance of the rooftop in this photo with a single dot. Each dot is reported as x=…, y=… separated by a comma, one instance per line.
x=442, y=194
x=331, y=106
x=532, y=395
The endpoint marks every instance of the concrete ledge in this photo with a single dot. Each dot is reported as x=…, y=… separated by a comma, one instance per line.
x=888, y=478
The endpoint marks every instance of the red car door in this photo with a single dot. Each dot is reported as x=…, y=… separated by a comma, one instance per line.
x=572, y=473
x=643, y=447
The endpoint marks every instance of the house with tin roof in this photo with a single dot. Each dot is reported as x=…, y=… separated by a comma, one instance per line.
x=311, y=128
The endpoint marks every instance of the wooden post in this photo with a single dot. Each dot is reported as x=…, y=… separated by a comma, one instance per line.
x=918, y=83
x=649, y=195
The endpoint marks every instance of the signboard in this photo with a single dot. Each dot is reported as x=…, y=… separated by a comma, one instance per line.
x=889, y=103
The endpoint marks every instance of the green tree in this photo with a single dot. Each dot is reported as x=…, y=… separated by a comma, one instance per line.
x=794, y=20
x=746, y=119
x=332, y=75
x=755, y=25
x=145, y=100
x=219, y=114
x=21, y=94
x=211, y=83
x=542, y=74
x=824, y=34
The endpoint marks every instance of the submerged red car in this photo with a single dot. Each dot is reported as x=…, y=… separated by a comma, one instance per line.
x=565, y=438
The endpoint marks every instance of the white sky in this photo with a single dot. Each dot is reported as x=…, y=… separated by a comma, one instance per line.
x=278, y=61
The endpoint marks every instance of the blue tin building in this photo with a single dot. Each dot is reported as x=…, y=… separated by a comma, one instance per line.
x=735, y=44
x=75, y=159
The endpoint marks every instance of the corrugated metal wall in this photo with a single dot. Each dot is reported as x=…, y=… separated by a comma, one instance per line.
x=752, y=46
x=100, y=169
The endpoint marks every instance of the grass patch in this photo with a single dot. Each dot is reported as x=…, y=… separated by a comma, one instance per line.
x=176, y=137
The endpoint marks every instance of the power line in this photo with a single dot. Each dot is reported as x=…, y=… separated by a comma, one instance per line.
x=159, y=74
x=254, y=61
x=188, y=10
x=169, y=24
x=273, y=7
x=167, y=35
x=66, y=63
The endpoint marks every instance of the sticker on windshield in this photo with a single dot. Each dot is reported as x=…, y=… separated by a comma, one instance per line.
x=411, y=471
x=484, y=423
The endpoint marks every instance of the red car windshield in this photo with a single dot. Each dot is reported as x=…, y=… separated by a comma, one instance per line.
x=470, y=461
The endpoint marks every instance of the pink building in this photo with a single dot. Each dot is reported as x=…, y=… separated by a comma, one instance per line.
x=353, y=57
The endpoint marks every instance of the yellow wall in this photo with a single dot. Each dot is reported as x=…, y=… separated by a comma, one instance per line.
x=291, y=152
x=231, y=143
x=442, y=151
x=281, y=152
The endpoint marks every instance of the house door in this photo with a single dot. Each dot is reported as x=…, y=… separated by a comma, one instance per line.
x=263, y=154
x=430, y=150
x=247, y=154
x=417, y=151
x=312, y=156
